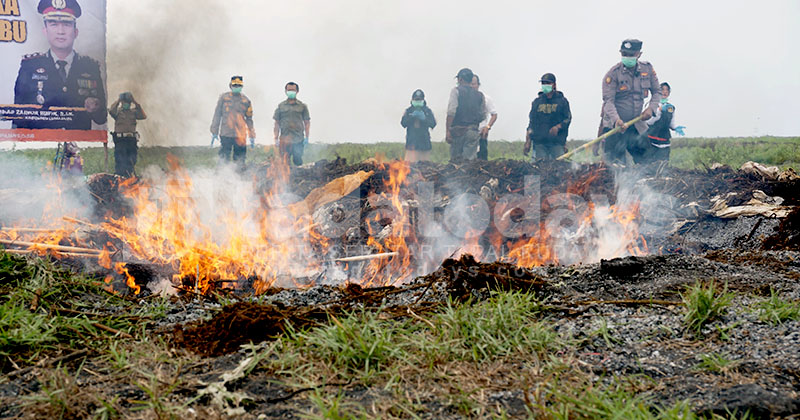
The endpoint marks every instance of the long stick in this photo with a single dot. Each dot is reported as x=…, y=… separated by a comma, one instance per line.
x=605, y=135
x=49, y=246
x=67, y=254
x=367, y=257
x=23, y=229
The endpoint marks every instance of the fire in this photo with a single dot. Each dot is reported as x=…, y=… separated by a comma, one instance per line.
x=241, y=242
x=381, y=272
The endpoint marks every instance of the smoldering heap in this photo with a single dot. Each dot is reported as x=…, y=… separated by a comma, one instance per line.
x=378, y=223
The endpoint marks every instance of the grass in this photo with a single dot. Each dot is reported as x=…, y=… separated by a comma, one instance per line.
x=687, y=153
x=716, y=363
x=704, y=304
x=363, y=364
x=777, y=311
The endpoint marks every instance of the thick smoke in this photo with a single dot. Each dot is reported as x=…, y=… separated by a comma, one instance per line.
x=33, y=196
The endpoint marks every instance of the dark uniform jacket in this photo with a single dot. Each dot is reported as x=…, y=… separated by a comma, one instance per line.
x=233, y=117
x=418, y=136
x=471, y=108
x=547, y=113
x=40, y=83
x=658, y=133
x=623, y=93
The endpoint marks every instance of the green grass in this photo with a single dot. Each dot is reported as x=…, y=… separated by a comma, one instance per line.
x=715, y=363
x=687, y=153
x=704, y=304
x=777, y=311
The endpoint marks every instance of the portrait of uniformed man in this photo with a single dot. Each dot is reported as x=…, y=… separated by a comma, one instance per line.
x=60, y=77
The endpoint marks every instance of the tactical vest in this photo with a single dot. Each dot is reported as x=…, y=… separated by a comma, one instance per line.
x=659, y=133
x=470, y=107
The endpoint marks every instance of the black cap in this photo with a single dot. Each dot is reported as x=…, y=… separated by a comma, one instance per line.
x=237, y=80
x=418, y=94
x=126, y=97
x=548, y=78
x=465, y=74
x=61, y=10
x=630, y=46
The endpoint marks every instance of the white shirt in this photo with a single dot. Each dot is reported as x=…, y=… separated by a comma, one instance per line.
x=69, y=59
x=490, y=110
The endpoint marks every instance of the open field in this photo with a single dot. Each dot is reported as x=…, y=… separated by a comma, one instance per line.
x=703, y=325
x=687, y=153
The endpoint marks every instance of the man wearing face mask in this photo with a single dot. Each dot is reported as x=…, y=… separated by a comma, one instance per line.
x=418, y=120
x=549, y=121
x=126, y=112
x=623, y=99
x=232, y=123
x=292, y=125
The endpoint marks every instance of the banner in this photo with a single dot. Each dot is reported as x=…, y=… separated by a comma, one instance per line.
x=53, y=70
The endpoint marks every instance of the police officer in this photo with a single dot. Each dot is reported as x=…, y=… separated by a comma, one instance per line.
x=232, y=123
x=61, y=77
x=623, y=99
x=125, y=111
x=465, y=110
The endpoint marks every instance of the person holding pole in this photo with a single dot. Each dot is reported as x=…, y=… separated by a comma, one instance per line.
x=623, y=98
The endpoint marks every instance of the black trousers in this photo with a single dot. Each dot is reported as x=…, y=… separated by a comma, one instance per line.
x=619, y=144
x=228, y=144
x=483, y=148
x=126, y=151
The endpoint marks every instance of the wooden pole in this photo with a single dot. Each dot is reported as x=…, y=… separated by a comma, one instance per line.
x=50, y=246
x=605, y=135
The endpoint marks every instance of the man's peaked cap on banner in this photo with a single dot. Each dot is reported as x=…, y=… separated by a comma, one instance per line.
x=60, y=10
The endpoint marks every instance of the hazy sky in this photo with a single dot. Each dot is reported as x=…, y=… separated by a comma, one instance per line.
x=733, y=65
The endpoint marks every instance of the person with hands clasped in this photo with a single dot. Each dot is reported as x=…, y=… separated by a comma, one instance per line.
x=418, y=120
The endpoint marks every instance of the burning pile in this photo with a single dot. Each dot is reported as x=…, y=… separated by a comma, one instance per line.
x=372, y=224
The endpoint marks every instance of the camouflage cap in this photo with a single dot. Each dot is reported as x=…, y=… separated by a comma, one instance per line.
x=237, y=80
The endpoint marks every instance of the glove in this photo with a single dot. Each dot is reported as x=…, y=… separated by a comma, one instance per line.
x=679, y=129
x=214, y=137
x=418, y=115
x=252, y=142
x=305, y=141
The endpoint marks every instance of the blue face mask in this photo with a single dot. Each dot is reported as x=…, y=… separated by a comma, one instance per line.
x=547, y=89
x=126, y=105
x=664, y=100
x=236, y=89
x=291, y=94
x=417, y=104
x=629, y=62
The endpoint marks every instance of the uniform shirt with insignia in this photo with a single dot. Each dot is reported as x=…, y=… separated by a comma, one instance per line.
x=125, y=119
x=233, y=117
x=40, y=83
x=623, y=93
x=291, y=118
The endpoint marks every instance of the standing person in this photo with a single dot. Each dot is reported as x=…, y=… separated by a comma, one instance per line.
x=487, y=123
x=659, y=126
x=292, y=125
x=548, y=121
x=623, y=98
x=465, y=110
x=233, y=123
x=125, y=111
x=418, y=120
x=61, y=77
